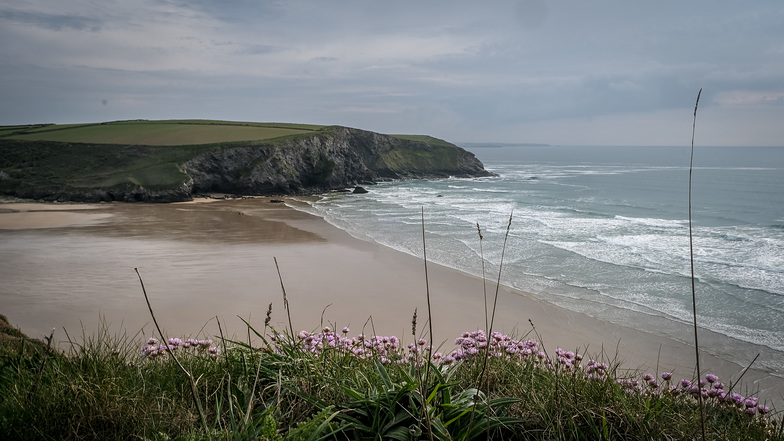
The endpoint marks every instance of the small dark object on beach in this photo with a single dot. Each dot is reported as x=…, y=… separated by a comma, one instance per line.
x=276, y=201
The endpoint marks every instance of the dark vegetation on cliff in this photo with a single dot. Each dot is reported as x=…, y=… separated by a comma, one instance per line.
x=173, y=160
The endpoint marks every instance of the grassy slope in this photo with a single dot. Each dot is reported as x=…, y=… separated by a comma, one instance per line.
x=49, y=164
x=442, y=156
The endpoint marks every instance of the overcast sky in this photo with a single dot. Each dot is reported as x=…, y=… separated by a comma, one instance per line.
x=601, y=72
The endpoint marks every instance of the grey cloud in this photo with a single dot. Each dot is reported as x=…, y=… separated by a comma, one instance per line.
x=433, y=67
x=258, y=49
x=56, y=22
x=323, y=59
x=531, y=13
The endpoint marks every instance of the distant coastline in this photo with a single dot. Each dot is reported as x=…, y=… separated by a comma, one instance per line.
x=498, y=145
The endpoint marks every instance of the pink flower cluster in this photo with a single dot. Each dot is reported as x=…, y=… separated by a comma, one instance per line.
x=710, y=388
x=471, y=344
x=713, y=390
x=386, y=348
x=154, y=348
x=570, y=361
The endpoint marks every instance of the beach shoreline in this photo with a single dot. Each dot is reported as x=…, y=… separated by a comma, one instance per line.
x=333, y=278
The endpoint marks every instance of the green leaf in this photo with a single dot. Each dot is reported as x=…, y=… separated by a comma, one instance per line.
x=382, y=372
x=354, y=394
x=399, y=433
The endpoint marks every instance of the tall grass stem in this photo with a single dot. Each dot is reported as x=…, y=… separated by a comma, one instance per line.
x=430, y=331
x=691, y=261
x=41, y=367
x=285, y=299
x=492, y=319
x=188, y=375
x=484, y=278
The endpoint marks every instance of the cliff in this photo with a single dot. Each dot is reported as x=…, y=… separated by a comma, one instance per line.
x=336, y=158
x=318, y=161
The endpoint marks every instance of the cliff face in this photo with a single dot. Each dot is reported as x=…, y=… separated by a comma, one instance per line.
x=327, y=159
x=337, y=158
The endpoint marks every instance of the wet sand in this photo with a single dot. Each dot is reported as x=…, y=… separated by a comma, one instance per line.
x=330, y=278
x=18, y=216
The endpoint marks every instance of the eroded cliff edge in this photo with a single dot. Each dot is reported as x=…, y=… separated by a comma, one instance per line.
x=331, y=158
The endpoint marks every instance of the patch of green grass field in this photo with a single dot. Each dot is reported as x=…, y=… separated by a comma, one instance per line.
x=169, y=132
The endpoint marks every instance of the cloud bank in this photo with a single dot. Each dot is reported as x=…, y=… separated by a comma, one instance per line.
x=609, y=72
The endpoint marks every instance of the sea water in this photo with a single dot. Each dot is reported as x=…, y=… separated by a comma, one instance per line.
x=605, y=231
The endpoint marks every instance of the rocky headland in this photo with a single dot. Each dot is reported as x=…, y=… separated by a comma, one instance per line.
x=328, y=159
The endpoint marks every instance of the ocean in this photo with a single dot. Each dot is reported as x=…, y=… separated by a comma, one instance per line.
x=604, y=231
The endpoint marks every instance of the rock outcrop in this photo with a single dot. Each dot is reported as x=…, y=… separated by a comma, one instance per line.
x=339, y=157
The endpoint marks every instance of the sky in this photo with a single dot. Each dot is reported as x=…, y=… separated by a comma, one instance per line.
x=568, y=72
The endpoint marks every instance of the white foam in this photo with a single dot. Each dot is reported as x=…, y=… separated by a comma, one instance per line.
x=653, y=222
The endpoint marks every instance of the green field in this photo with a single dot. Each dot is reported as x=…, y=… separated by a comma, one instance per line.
x=158, y=133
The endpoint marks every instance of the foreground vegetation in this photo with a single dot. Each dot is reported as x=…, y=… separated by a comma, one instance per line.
x=327, y=385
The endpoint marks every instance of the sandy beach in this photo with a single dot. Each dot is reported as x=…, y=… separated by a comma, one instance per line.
x=330, y=278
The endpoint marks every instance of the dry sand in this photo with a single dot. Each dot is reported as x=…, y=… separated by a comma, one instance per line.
x=333, y=278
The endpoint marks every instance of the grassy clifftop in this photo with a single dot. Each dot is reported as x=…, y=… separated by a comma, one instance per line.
x=158, y=133
x=168, y=160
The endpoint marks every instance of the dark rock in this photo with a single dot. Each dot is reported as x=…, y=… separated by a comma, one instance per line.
x=276, y=201
x=359, y=190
